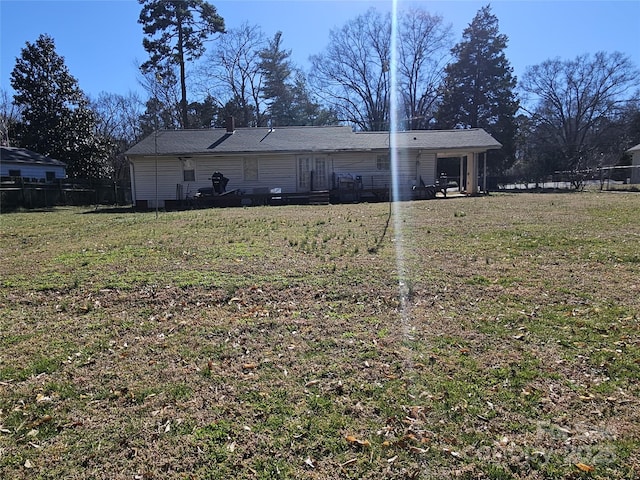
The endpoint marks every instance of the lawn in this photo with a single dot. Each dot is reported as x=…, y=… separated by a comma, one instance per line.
x=489, y=337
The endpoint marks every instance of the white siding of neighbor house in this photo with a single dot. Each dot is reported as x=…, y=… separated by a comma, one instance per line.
x=32, y=171
x=635, y=171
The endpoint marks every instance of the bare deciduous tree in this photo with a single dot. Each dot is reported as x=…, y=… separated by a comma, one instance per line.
x=574, y=103
x=9, y=118
x=424, y=46
x=119, y=116
x=353, y=73
x=231, y=73
x=118, y=122
x=163, y=105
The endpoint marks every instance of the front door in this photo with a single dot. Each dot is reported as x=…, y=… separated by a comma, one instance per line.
x=312, y=174
x=320, y=174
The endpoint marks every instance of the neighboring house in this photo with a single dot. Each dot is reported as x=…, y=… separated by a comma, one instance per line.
x=170, y=166
x=23, y=163
x=635, y=163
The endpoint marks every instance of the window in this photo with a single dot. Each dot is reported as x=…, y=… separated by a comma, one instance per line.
x=304, y=173
x=188, y=170
x=14, y=173
x=383, y=162
x=50, y=176
x=250, y=169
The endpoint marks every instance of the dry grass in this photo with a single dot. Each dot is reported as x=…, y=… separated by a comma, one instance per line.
x=273, y=342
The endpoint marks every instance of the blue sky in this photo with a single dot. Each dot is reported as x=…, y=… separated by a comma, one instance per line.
x=101, y=40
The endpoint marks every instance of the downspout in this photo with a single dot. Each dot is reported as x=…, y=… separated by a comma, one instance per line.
x=484, y=173
x=132, y=176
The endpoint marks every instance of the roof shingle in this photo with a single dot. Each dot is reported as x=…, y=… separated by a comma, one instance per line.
x=24, y=156
x=304, y=139
x=634, y=149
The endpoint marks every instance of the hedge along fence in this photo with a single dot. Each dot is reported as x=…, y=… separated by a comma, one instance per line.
x=22, y=193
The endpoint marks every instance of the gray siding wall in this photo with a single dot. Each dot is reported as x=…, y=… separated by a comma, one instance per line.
x=427, y=168
x=364, y=165
x=411, y=166
x=274, y=171
x=169, y=174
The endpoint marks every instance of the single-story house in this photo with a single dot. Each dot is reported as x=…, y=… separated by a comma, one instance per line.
x=635, y=163
x=23, y=163
x=171, y=165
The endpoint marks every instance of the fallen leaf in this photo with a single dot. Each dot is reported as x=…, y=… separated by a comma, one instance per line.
x=309, y=462
x=413, y=449
x=453, y=453
x=44, y=419
x=250, y=366
x=357, y=441
x=584, y=467
x=28, y=464
x=40, y=398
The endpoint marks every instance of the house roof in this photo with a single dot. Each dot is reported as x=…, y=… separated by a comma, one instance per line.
x=304, y=139
x=634, y=149
x=23, y=156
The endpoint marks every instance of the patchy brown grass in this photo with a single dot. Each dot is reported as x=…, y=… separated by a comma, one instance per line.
x=275, y=343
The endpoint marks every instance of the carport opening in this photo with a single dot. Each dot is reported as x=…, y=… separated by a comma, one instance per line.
x=449, y=168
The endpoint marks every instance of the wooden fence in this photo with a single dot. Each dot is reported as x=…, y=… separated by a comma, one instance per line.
x=17, y=192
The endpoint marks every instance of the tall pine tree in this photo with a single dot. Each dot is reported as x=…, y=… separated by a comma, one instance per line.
x=276, y=67
x=478, y=90
x=175, y=32
x=285, y=90
x=56, y=118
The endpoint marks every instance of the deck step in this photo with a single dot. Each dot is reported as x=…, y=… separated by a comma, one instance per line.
x=319, y=197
